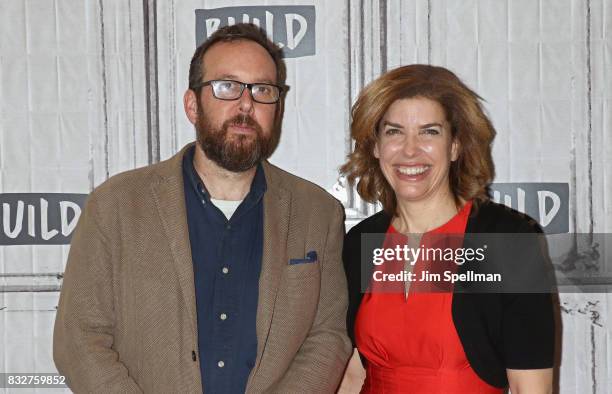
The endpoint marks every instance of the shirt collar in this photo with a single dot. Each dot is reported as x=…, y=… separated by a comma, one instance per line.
x=258, y=186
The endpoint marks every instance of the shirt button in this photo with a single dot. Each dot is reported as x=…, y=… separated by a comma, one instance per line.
x=220, y=364
x=223, y=316
x=225, y=270
x=229, y=226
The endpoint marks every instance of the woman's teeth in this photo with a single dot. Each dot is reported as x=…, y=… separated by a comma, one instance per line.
x=412, y=170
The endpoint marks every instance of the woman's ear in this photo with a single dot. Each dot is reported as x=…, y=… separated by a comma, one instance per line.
x=455, y=150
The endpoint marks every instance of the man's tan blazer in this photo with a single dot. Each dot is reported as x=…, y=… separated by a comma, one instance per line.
x=126, y=320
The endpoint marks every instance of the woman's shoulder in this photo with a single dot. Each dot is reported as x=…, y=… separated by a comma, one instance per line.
x=377, y=223
x=493, y=217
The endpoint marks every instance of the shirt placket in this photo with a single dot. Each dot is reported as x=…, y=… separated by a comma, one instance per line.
x=228, y=276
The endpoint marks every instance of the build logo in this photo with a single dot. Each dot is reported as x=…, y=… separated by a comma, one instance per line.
x=291, y=27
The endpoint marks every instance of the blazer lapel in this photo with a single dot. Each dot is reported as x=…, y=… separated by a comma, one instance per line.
x=169, y=198
x=277, y=209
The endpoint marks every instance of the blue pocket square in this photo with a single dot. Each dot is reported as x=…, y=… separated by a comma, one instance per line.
x=311, y=257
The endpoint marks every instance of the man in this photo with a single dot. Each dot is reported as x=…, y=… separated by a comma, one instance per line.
x=213, y=270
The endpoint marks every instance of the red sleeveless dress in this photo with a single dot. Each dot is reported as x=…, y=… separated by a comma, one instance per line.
x=410, y=343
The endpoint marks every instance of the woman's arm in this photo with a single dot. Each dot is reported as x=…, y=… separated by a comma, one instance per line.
x=354, y=376
x=530, y=381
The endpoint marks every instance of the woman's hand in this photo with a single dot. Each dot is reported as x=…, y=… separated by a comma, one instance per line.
x=530, y=381
x=354, y=375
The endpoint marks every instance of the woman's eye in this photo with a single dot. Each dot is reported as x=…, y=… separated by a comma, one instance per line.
x=430, y=131
x=391, y=131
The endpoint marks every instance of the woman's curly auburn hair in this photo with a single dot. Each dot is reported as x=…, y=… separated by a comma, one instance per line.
x=473, y=171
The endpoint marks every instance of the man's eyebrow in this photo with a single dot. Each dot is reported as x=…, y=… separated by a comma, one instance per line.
x=228, y=76
x=235, y=78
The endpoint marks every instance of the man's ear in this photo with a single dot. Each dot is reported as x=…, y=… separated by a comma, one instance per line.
x=190, y=103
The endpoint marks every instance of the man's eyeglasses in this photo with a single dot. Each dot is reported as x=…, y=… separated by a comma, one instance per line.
x=227, y=89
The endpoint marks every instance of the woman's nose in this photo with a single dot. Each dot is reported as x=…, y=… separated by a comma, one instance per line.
x=411, y=145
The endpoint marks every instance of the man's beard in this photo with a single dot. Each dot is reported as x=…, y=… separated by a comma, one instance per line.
x=236, y=153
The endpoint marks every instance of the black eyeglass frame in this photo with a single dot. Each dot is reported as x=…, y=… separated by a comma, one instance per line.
x=243, y=85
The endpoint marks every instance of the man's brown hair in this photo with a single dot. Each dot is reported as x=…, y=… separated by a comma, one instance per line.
x=473, y=171
x=240, y=31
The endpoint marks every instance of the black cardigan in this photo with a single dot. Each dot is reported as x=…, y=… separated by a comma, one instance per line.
x=497, y=331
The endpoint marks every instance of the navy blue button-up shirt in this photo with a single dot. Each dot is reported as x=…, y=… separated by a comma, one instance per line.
x=226, y=265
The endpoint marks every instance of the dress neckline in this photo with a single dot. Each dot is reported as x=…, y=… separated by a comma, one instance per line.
x=455, y=225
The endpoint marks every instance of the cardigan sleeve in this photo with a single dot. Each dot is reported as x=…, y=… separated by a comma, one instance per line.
x=350, y=259
x=357, y=271
x=528, y=317
x=528, y=331
x=512, y=326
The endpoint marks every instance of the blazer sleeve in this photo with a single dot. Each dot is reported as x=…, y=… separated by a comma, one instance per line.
x=85, y=321
x=321, y=360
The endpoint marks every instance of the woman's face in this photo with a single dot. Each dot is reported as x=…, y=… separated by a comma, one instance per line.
x=415, y=149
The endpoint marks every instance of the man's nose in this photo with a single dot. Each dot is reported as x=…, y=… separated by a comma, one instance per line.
x=246, y=101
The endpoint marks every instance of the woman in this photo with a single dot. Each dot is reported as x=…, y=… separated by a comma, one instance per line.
x=423, y=150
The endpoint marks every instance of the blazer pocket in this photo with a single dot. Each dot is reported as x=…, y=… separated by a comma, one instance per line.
x=303, y=270
x=311, y=257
